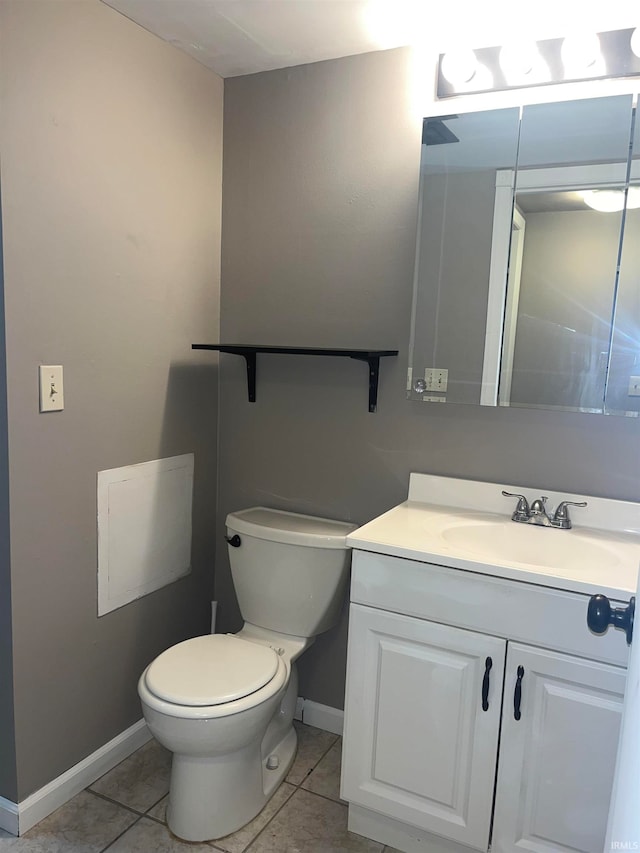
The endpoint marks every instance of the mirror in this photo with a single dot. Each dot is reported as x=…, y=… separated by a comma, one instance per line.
x=524, y=294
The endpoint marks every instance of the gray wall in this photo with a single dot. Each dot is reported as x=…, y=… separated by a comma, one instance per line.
x=8, y=786
x=111, y=202
x=320, y=198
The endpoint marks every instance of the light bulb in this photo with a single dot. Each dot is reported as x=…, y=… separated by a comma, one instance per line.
x=522, y=64
x=459, y=67
x=580, y=53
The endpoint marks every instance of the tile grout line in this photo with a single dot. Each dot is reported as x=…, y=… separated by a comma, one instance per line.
x=124, y=832
x=116, y=802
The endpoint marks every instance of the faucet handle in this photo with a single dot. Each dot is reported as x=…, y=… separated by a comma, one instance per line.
x=522, y=512
x=561, y=516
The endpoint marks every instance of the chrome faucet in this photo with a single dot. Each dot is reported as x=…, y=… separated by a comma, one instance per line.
x=537, y=512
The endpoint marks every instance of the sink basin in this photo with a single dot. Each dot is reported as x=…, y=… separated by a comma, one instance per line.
x=509, y=542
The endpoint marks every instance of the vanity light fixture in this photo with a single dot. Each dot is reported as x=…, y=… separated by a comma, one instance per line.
x=579, y=56
x=611, y=201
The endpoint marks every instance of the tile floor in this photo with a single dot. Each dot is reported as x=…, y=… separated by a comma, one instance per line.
x=123, y=812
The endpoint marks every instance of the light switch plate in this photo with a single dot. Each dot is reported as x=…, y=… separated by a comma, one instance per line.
x=51, y=388
x=436, y=378
x=634, y=386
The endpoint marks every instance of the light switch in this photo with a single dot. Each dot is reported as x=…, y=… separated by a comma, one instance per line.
x=51, y=388
x=634, y=386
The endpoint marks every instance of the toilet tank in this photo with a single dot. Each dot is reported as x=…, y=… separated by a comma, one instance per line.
x=290, y=571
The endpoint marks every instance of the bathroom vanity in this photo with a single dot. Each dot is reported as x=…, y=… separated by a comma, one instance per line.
x=481, y=712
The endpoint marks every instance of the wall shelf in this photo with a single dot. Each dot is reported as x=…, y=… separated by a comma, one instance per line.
x=249, y=353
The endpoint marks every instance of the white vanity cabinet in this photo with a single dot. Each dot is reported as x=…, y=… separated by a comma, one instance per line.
x=425, y=767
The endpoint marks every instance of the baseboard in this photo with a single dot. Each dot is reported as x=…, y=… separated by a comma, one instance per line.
x=18, y=818
x=8, y=816
x=321, y=716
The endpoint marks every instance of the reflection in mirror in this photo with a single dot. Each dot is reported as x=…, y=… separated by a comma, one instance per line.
x=564, y=254
x=461, y=156
x=623, y=381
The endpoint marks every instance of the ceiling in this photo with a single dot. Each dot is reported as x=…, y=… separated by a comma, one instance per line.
x=234, y=37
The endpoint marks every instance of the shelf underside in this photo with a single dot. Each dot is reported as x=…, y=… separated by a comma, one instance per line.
x=249, y=353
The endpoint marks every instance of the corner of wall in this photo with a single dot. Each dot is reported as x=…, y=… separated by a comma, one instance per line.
x=8, y=770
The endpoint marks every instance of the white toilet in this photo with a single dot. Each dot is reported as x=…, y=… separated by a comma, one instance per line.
x=224, y=703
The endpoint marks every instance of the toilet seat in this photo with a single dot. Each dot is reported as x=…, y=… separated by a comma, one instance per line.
x=212, y=676
x=211, y=670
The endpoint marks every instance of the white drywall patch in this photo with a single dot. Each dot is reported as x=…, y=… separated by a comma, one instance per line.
x=144, y=528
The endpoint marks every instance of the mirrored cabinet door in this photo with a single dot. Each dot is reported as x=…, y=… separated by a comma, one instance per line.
x=461, y=156
x=569, y=197
x=526, y=254
x=623, y=379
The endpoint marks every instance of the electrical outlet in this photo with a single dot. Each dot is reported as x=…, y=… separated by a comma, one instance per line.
x=51, y=388
x=634, y=386
x=436, y=378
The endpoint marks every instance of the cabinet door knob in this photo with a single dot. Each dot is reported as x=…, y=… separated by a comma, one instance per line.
x=517, y=694
x=600, y=614
x=485, y=684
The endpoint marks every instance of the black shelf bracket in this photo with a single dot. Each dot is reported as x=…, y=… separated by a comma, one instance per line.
x=249, y=353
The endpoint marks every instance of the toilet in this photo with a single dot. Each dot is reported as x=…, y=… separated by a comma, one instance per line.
x=224, y=703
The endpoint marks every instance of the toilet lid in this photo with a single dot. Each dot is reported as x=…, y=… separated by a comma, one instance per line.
x=211, y=670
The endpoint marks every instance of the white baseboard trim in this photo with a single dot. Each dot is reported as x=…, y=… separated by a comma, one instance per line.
x=321, y=716
x=17, y=818
x=8, y=816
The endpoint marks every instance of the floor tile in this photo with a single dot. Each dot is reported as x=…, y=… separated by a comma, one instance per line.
x=159, y=811
x=148, y=836
x=140, y=780
x=308, y=822
x=325, y=777
x=86, y=824
x=240, y=840
x=312, y=745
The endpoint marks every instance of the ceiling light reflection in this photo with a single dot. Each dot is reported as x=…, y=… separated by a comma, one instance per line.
x=611, y=201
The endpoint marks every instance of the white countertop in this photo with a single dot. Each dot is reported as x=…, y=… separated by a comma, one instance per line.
x=584, y=559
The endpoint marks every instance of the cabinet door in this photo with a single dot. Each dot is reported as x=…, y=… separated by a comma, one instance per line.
x=556, y=767
x=418, y=745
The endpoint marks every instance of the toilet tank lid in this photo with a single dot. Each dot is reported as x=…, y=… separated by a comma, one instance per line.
x=290, y=528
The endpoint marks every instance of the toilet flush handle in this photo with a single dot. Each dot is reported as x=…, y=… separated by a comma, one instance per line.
x=234, y=540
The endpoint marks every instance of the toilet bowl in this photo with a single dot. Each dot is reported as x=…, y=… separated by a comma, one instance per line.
x=224, y=704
